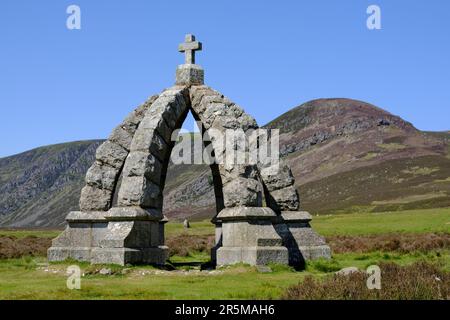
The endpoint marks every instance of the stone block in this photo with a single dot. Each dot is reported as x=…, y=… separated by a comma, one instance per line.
x=112, y=154
x=171, y=106
x=242, y=192
x=132, y=121
x=131, y=242
x=296, y=216
x=98, y=233
x=141, y=163
x=132, y=214
x=86, y=217
x=76, y=234
x=102, y=176
x=154, y=234
x=157, y=123
x=285, y=199
x=301, y=240
x=139, y=191
x=305, y=235
x=95, y=199
x=83, y=232
x=190, y=74
x=315, y=252
x=249, y=236
x=246, y=214
x=162, y=222
x=119, y=256
x=201, y=96
x=63, y=253
x=124, y=256
x=122, y=137
x=277, y=180
x=150, y=141
x=252, y=255
x=129, y=234
x=231, y=171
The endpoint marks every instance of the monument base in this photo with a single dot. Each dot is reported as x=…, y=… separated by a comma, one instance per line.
x=64, y=253
x=83, y=232
x=253, y=255
x=123, y=256
x=248, y=236
x=301, y=240
x=119, y=236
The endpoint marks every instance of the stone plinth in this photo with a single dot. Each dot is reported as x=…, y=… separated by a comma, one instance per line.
x=190, y=74
x=84, y=231
x=119, y=236
x=301, y=240
x=248, y=236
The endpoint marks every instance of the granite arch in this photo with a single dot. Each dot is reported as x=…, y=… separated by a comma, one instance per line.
x=257, y=212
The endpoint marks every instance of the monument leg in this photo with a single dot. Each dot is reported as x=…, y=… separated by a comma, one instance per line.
x=301, y=240
x=132, y=237
x=83, y=232
x=248, y=236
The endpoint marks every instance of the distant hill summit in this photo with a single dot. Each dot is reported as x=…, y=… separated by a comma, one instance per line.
x=346, y=155
x=360, y=157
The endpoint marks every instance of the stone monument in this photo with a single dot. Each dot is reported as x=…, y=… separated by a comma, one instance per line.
x=121, y=219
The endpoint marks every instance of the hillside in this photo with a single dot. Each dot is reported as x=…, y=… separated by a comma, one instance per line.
x=40, y=186
x=352, y=154
x=360, y=157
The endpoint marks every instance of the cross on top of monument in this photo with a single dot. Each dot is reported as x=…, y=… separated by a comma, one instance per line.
x=189, y=47
x=189, y=73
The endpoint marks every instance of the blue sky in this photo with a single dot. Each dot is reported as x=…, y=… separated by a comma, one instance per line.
x=61, y=85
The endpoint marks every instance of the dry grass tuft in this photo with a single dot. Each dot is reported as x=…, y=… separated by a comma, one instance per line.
x=420, y=281
x=403, y=243
x=184, y=244
x=12, y=247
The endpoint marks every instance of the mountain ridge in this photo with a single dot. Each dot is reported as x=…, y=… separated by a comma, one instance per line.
x=333, y=145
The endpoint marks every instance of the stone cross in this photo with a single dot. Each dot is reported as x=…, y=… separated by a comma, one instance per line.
x=189, y=47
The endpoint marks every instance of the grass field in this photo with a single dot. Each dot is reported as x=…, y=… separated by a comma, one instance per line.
x=411, y=221
x=33, y=278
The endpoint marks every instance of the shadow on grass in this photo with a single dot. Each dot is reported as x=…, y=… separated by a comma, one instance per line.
x=192, y=265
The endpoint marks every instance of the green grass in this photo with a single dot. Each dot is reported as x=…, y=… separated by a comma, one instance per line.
x=412, y=221
x=26, y=278
x=391, y=146
x=193, y=257
x=411, y=198
x=204, y=227
x=20, y=279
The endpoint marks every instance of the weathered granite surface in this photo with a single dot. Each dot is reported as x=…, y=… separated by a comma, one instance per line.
x=248, y=236
x=257, y=219
x=301, y=240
